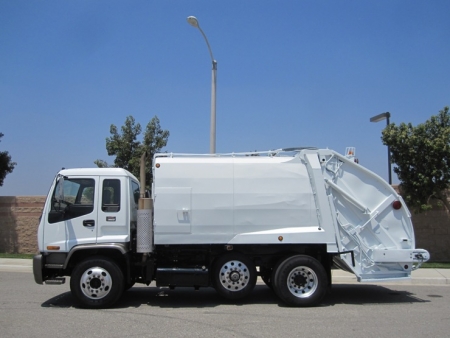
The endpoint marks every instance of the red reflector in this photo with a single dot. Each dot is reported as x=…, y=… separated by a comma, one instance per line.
x=397, y=205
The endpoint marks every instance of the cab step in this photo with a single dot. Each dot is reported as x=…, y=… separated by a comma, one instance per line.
x=56, y=281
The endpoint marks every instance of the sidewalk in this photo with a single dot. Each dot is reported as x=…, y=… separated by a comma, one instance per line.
x=419, y=277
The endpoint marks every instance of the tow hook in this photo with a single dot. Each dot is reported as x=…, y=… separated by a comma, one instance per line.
x=420, y=259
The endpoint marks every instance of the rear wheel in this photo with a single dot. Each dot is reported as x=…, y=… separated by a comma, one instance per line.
x=97, y=282
x=300, y=281
x=234, y=276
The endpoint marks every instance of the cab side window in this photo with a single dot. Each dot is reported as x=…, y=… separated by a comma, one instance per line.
x=136, y=192
x=111, y=195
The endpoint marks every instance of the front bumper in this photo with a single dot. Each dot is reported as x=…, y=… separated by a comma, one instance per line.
x=38, y=265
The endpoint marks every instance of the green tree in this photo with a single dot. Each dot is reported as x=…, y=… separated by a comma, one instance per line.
x=128, y=149
x=6, y=165
x=422, y=157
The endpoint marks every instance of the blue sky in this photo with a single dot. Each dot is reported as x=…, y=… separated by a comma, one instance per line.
x=290, y=73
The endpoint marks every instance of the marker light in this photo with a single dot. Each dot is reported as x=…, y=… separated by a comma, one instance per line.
x=53, y=247
x=397, y=205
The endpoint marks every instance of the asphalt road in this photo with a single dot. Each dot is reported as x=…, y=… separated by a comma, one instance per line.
x=352, y=310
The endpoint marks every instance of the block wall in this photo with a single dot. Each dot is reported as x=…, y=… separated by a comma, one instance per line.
x=19, y=220
x=432, y=233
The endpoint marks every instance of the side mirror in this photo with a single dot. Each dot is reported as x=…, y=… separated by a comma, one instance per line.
x=55, y=216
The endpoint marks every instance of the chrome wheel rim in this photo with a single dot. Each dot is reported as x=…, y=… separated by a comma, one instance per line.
x=96, y=283
x=234, y=275
x=302, y=282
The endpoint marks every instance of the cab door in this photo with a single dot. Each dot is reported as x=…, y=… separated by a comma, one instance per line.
x=71, y=218
x=113, y=211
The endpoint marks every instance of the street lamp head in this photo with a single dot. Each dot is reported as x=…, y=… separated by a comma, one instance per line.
x=192, y=20
x=380, y=117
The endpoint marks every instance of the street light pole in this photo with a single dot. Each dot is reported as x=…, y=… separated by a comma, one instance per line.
x=192, y=20
x=378, y=118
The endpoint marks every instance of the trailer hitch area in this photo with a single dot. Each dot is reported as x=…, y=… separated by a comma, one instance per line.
x=419, y=258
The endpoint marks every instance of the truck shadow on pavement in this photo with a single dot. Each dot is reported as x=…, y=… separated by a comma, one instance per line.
x=367, y=294
x=349, y=294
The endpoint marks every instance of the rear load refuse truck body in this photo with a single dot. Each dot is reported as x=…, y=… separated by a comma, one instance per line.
x=287, y=216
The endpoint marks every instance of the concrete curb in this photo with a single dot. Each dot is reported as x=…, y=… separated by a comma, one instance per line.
x=419, y=277
x=16, y=265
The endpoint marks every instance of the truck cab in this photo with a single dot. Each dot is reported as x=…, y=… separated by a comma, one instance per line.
x=86, y=211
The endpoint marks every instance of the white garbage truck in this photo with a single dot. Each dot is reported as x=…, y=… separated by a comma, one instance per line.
x=287, y=216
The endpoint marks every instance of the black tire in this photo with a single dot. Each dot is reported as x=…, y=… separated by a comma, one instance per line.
x=234, y=276
x=274, y=271
x=300, y=281
x=97, y=282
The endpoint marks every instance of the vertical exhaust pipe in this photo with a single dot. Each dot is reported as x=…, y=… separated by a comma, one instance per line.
x=142, y=177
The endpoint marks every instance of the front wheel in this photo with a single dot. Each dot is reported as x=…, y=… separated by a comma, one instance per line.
x=300, y=281
x=234, y=276
x=97, y=282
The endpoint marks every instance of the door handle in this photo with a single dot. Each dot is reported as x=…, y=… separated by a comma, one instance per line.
x=88, y=223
